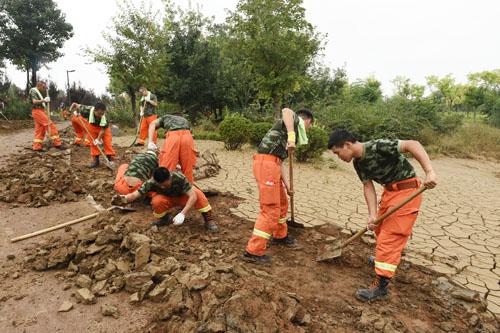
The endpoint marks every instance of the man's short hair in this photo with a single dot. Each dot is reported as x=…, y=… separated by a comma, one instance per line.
x=307, y=114
x=339, y=137
x=143, y=88
x=161, y=174
x=100, y=106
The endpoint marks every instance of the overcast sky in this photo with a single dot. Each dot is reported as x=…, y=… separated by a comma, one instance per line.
x=384, y=38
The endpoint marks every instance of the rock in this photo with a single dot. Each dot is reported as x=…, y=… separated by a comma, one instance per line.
x=134, y=281
x=420, y=327
x=11, y=257
x=197, y=284
x=85, y=236
x=134, y=298
x=85, y=296
x=134, y=240
x=447, y=326
x=170, y=265
x=60, y=257
x=104, y=273
x=218, y=326
x=142, y=254
x=466, y=295
x=160, y=290
x=118, y=282
x=224, y=268
x=24, y=198
x=223, y=291
x=443, y=284
x=16, y=275
x=98, y=288
x=72, y=267
x=93, y=249
x=155, y=270
x=65, y=307
x=107, y=235
x=473, y=320
x=83, y=281
x=379, y=324
x=109, y=310
x=49, y=194
x=123, y=266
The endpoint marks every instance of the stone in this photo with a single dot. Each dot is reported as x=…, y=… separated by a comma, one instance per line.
x=134, y=281
x=108, y=310
x=134, y=240
x=134, y=298
x=85, y=296
x=49, y=195
x=142, y=254
x=16, y=275
x=473, y=320
x=98, y=288
x=447, y=326
x=93, y=249
x=443, y=284
x=160, y=290
x=170, y=265
x=466, y=295
x=156, y=271
x=420, y=326
x=72, y=267
x=104, y=273
x=107, y=235
x=65, y=306
x=83, y=281
x=118, y=282
x=197, y=284
x=379, y=324
x=123, y=266
x=11, y=257
x=224, y=268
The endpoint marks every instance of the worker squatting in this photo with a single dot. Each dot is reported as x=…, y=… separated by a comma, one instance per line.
x=154, y=175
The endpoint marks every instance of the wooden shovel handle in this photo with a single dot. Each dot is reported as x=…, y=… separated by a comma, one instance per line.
x=383, y=216
x=290, y=179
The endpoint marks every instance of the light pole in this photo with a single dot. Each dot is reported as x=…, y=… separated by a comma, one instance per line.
x=68, y=97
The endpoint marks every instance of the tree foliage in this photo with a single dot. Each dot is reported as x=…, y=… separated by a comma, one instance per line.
x=32, y=32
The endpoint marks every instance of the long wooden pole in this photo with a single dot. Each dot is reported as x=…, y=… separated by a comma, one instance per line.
x=290, y=176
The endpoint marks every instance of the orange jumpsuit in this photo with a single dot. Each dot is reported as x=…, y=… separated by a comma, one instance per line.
x=106, y=141
x=143, y=134
x=121, y=185
x=271, y=221
x=393, y=233
x=42, y=123
x=179, y=148
x=162, y=203
x=79, y=130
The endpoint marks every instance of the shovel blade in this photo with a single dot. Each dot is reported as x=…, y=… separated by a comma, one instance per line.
x=123, y=208
x=330, y=251
x=293, y=224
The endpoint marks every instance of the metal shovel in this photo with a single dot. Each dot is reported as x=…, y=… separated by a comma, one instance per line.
x=334, y=250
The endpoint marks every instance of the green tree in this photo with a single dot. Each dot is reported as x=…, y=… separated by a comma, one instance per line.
x=32, y=32
x=367, y=90
x=135, y=54
x=404, y=88
x=278, y=43
x=447, y=91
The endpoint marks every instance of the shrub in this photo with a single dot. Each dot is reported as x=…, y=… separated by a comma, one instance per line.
x=258, y=132
x=235, y=131
x=17, y=109
x=318, y=141
x=206, y=135
x=449, y=122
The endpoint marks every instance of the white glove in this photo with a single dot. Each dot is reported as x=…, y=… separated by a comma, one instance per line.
x=179, y=219
x=97, y=142
x=46, y=99
x=75, y=113
x=147, y=99
x=152, y=146
x=141, y=114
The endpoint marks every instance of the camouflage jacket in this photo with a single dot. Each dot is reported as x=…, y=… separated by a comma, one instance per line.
x=36, y=94
x=142, y=166
x=149, y=109
x=173, y=123
x=274, y=142
x=383, y=162
x=179, y=186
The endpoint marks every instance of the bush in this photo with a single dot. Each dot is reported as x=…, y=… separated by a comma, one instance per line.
x=17, y=109
x=120, y=113
x=206, y=135
x=259, y=131
x=235, y=131
x=449, y=122
x=318, y=141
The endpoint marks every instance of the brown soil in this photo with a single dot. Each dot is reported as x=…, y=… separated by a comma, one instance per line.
x=14, y=125
x=182, y=279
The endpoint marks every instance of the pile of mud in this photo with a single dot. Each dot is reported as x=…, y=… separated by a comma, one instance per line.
x=201, y=284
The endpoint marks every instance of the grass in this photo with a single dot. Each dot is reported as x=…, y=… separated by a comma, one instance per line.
x=470, y=141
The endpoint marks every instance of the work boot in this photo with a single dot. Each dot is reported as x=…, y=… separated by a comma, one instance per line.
x=95, y=163
x=287, y=241
x=165, y=220
x=377, y=290
x=110, y=159
x=371, y=261
x=62, y=146
x=209, y=222
x=265, y=259
x=139, y=145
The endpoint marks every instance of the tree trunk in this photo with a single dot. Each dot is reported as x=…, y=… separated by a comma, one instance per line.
x=27, y=81
x=277, y=111
x=133, y=100
x=33, y=75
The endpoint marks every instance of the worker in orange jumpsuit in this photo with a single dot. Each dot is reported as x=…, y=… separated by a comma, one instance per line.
x=99, y=129
x=81, y=135
x=42, y=120
x=383, y=161
x=148, y=105
x=272, y=180
x=169, y=190
x=178, y=147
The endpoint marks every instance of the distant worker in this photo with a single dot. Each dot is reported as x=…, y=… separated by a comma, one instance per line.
x=148, y=105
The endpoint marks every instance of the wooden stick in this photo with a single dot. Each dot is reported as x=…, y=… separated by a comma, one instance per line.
x=384, y=216
x=290, y=176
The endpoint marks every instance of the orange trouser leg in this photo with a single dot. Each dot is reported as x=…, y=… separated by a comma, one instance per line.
x=42, y=124
x=162, y=204
x=80, y=132
x=282, y=228
x=268, y=176
x=143, y=134
x=121, y=185
x=187, y=156
x=106, y=141
x=169, y=154
x=394, y=231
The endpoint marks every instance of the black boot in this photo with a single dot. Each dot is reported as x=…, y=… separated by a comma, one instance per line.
x=287, y=241
x=165, y=220
x=138, y=144
x=376, y=291
x=371, y=261
x=95, y=163
x=209, y=222
x=265, y=259
x=110, y=159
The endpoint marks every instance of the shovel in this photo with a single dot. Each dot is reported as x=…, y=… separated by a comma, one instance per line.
x=65, y=224
x=137, y=131
x=332, y=251
x=291, y=221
